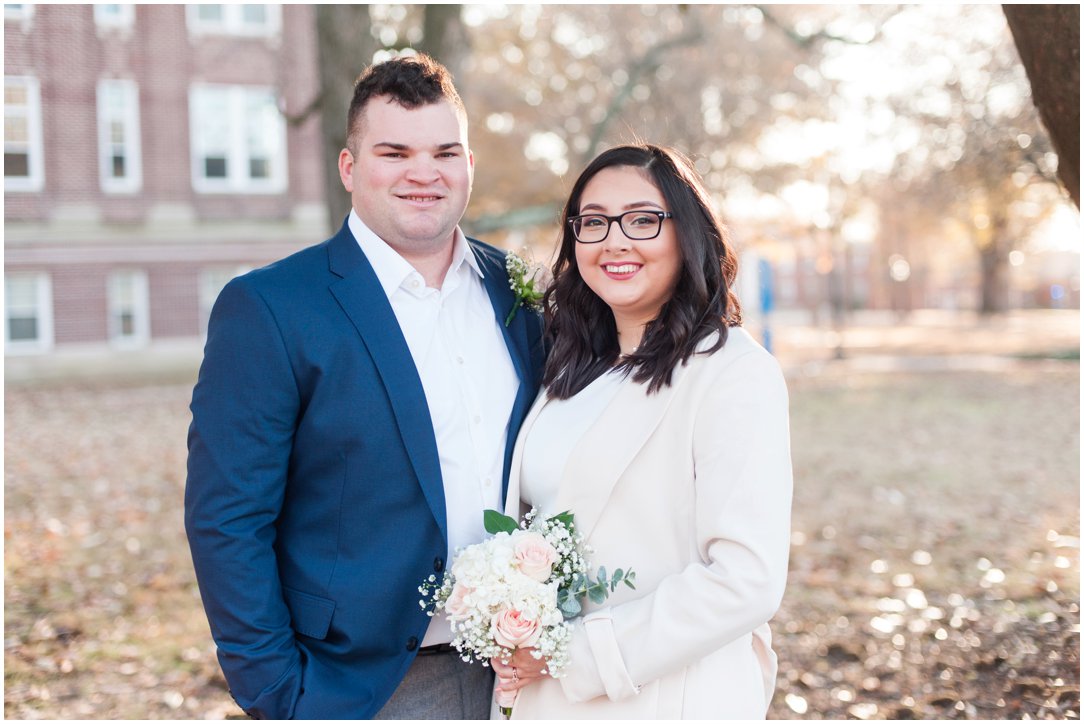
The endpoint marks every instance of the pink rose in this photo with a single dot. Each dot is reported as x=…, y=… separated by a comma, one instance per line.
x=511, y=629
x=456, y=607
x=533, y=556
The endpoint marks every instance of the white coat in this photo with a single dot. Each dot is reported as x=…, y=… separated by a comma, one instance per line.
x=691, y=488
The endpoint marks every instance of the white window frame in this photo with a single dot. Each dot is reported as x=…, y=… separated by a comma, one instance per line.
x=123, y=20
x=140, y=309
x=212, y=280
x=35, y=180
x=22, y=13
x=235, y=143
x=43, y=313
x=132, y=181
x=233, y=22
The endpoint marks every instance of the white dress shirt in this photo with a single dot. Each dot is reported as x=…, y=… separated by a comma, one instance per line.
x=469, y=380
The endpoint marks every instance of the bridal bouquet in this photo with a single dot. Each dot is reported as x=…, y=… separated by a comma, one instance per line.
x=516, y=589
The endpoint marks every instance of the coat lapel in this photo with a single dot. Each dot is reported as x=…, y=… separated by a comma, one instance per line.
x=361, y=297
x=608, y=447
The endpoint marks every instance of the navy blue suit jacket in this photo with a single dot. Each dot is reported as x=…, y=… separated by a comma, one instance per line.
x=314, y=504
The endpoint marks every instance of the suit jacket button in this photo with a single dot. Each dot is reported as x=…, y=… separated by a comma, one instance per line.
x=438, y=564
x=412, y=643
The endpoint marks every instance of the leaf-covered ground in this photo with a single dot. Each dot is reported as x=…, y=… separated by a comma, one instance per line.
x=934, y=566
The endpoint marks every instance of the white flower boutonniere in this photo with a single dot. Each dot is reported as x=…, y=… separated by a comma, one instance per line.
x=525, y=280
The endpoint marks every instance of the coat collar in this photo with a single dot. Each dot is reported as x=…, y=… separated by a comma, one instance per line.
x=604, y=452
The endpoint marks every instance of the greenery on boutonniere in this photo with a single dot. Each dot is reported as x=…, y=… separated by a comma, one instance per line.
x=525, y=280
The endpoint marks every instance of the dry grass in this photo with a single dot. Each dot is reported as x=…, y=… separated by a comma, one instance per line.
x=934, y=566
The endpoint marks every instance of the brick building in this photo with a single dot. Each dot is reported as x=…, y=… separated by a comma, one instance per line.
x=146, y=162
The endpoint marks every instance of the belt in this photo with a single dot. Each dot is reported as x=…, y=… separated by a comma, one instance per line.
x=437, y=649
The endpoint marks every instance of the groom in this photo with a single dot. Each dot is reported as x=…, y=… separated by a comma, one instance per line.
x=354, y=415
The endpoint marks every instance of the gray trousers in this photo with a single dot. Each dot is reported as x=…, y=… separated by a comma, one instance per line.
x=441, y=686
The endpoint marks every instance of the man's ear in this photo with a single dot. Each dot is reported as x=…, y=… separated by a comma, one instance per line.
x=346, y=169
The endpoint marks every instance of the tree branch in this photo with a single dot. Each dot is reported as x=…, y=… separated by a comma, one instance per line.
x=806, y=42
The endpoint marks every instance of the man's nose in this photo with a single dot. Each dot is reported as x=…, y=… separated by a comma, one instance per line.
x=422, y=168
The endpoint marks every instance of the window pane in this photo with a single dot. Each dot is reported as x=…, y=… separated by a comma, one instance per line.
x=109, y=11
x=118, y=166
x=254, y=14
x=23, y=329
x=116, y=132
x=14, y=94
x=259, y=168
x=214, y=167
x=209, y=13
x=16, y=130
x=16, y=165
x=21, y=292
x=127, y=323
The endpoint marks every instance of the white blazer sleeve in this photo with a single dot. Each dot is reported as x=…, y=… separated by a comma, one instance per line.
x=743, y=487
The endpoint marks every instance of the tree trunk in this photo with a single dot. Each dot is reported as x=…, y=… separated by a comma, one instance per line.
x=445, y=38
x=346, y=48
x=994, y=263
x=1047, y=38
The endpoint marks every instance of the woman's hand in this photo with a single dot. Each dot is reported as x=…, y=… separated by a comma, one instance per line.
x=522, y=669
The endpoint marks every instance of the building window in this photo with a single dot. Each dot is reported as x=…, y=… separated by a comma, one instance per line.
x=23, y=167
x=129, y=308
x=211, y=282
x=28, y=318
x=19, y=12
x=119, y=162
x=238, y=140
x=114, y=16
x=240, y=19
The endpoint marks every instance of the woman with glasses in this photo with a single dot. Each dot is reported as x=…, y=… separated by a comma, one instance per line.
x=663, y=428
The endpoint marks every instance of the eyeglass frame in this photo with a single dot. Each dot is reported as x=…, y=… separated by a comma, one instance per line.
x=663, y=215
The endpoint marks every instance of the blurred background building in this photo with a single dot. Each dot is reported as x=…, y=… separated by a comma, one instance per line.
x=146, y=162
x=152, y=152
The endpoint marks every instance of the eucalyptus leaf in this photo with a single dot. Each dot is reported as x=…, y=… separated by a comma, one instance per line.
x=570, y=608
x=597, y=594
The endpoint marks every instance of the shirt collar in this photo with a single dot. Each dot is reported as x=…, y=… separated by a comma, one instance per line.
x=392, y=270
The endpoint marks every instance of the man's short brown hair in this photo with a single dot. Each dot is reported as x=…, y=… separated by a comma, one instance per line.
x=411, y=81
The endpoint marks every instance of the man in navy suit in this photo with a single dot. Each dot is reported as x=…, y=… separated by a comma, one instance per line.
x=355, y=414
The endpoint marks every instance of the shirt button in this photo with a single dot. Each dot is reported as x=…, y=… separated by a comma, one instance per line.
x=489, y=481
x=477, y=419
x=412, y=643
x=459, y=360
x=438, y=564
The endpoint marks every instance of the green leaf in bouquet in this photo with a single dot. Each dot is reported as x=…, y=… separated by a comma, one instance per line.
x=566, y=518
x=629, y=578
x=618, y=575
x=597, y=593
x=570, y=607
x=601, y=576
x=498, y=522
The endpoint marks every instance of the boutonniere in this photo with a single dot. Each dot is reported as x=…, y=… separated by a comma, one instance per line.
x=525, y=280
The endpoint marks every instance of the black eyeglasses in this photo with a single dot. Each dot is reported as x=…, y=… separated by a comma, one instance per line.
x=638, y=225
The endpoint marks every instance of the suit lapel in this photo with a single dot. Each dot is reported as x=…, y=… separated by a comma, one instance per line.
x=608, y=448
x=361, y=297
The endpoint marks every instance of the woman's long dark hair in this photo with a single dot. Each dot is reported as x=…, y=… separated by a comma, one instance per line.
x=580, y=330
